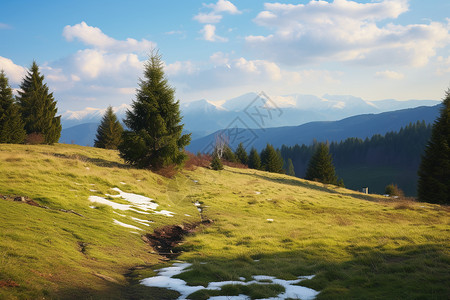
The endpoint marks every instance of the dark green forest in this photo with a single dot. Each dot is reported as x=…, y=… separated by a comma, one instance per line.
x=374, y=162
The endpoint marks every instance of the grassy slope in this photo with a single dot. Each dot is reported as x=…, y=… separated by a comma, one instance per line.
x=357, y=246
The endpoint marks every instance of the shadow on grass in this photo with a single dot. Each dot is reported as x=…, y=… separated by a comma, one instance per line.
x=328, y=188
x=411, y=272
x=96, y=161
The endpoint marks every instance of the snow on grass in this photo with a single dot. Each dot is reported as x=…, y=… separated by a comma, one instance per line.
x=125, y=225
x=143, y=222
x=164, y=213
x=142, y=202
x=165, y=280
x=114, y=205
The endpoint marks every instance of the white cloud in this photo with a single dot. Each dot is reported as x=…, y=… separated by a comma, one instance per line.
x=388, y=74
x=208, y=18
x=209, y=34
x=443, y=65
x=223, y=6
x=15, y=73
x=344, y=30
x=93, y=36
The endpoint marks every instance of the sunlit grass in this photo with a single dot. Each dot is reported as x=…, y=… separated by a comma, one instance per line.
x=358, y=246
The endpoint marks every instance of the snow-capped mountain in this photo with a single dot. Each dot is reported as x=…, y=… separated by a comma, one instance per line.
x=253, y=110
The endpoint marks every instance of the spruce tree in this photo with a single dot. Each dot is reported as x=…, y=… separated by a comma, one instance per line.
x=38, y=107
x=11, y=125
x=434, y=170
x=241, y=154
x=290, y=168
x=155, y=138
x=320, y=167
x=216, y=163
x=254, y=160
x=228, y=154
x=271, y=160
x=109, y=132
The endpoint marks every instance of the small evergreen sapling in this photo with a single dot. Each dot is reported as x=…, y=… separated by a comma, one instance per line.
x=109, y=132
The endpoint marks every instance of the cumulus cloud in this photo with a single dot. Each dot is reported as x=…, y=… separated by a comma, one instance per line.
x=93, y=36
x=344, y=30
x=223, y=6
x=208, y=18
x=15, y=73
x=209, y=34
x=388, y=74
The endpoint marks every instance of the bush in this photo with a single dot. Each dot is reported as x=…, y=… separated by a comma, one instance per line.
x=394, y=191
x=34, y=139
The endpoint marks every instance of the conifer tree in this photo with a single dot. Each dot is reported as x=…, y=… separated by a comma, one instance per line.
x=241, y=154
x=216, y=163
x=11, y=125
x=109, y=132
x=155, y=138
x=434, y=170
x=271, y=160
x=254, y=160
x=38, y=107
x=228, y=154
x=290, y=168
x=320, y=167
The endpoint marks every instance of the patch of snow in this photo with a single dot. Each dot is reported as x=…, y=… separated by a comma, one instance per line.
x=87, y=168
x=94, y=191
x=122, y=182
x=142, y=202
x=195, y=181
x=125, y=225
x=92, y=206
x=119, y=214
x=165, y=280
x=258, y=193
x=138, y=180
x=164, y=213
x=143, y=222
x=197, y=203
x=270, y=220
x=114, y=205
x=186, y=215
x=76, y=183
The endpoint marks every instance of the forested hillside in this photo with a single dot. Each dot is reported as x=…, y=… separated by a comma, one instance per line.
x=374, y=162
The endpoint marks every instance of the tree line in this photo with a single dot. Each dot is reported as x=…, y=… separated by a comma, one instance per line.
x=31, y=116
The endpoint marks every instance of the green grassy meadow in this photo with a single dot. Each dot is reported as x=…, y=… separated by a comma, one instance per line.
x=358, y=246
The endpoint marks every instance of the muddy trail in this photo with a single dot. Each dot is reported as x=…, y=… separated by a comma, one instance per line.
x=164, y=240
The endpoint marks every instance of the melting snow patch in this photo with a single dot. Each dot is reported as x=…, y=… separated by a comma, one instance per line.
x=142, y=202
x=114, y=205
x=164, y=213
x=143, y=222
x=92, y=206
x=186, y=215
x=122, y=182
x=125, y=225
x=119, y=214
x=258, y=193
x=165, y=280
x=270, y=220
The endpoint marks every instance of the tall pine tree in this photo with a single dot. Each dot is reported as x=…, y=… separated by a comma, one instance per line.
x=434, y=170
x=254, y=160
x=38, y=107
x=271, y=160
x=155, y=138
x=109, y=132
x=320, y=167
x=241, y=154
x=11, y=125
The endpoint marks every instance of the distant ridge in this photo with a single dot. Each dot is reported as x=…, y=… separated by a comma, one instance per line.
x=360, y=126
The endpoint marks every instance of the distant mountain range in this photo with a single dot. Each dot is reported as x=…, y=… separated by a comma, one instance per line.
x=251, y=110
x=360, y=126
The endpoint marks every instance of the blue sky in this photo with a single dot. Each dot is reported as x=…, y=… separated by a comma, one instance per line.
x=92, y=52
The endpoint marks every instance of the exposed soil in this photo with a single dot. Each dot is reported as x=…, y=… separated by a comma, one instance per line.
x=29, y=201
x=165, y=240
